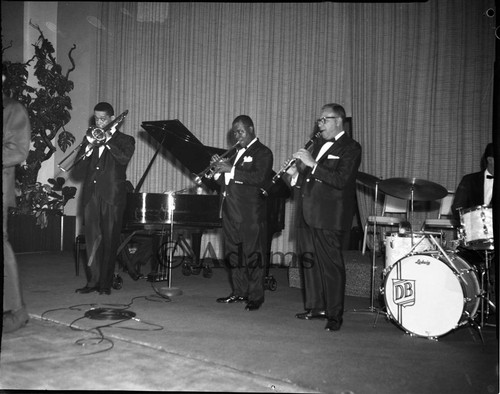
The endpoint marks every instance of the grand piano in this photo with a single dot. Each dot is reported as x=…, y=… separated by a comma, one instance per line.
x=196, y=208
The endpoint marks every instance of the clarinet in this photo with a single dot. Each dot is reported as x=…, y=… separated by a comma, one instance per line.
x=287, y=164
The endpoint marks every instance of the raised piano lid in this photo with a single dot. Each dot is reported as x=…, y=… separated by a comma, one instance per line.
x=184, y=146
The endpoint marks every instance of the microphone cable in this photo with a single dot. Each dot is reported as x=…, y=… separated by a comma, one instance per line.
x=115, y=313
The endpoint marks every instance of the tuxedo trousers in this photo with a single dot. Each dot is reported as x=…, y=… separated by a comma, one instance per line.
x=245, y=256
x=103, y=225
x=323, y=269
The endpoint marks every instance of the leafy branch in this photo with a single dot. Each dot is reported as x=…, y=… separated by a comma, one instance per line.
x=48, y=107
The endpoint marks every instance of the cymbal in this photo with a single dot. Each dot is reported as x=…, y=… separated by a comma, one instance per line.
x=367, y=179
x=422, y=190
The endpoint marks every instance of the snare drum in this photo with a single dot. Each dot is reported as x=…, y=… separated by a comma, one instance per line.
x=399, y=245
x=476, y=231
x=428, y=297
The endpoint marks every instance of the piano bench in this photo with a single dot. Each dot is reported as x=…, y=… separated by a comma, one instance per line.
x=79, y=244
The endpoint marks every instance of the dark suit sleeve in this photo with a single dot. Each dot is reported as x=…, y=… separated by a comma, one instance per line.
x=461, y=199
x=257, y=172
x=81, y=160
x=470, y=192
x=328, y=195
x=121, y=147
x=340, y=172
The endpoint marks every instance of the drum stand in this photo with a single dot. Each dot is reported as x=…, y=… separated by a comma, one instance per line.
x=486, y=303
x=371, y=308
x=470, y=319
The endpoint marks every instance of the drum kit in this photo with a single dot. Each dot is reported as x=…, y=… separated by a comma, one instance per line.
x=429, y=291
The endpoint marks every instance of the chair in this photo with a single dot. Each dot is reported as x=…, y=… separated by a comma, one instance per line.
x=445, y=219
x=392, y=205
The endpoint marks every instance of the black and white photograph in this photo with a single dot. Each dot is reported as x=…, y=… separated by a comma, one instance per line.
x=250, y=196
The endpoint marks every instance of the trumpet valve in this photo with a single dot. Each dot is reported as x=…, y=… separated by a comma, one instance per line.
x=210, y=174
x=197, y=180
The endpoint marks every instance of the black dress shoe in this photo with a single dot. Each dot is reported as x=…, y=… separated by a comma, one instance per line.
x=135, y=276
x=86, y=290
x=232, y=299
x=333, y=325
x=253, y=305
x=105, y=291
x=310, y=315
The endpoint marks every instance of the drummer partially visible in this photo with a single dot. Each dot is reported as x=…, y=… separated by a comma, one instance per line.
x=477, y=188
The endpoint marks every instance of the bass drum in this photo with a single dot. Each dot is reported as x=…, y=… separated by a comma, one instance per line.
x=427, y=297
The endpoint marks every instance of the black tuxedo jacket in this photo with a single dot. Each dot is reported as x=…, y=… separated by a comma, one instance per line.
x=470, y=192
x=242, y=201
x=327, y=197
x=106, y=175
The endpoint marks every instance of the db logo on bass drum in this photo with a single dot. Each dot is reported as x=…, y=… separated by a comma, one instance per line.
x=430, y=296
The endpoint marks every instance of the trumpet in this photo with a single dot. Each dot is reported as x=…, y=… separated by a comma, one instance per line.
x=96, y=133
x=209, y=172
x=287, y=164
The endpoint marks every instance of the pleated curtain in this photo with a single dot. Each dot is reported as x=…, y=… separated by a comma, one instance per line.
x=416, y=78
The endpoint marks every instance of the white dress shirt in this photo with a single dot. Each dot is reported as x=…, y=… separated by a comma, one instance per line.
x=230, y=175
x=488, y=188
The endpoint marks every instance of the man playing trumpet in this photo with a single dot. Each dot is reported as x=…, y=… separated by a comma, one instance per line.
x=244, y=214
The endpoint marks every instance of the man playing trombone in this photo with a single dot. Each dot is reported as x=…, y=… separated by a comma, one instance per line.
x=104, y=156
x=244, y=214
x=326, y=181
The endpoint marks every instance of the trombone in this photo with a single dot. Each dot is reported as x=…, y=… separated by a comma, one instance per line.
x=98, y=134
x=209, y=172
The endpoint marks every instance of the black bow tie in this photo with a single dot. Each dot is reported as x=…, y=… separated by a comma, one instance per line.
x=489, y=176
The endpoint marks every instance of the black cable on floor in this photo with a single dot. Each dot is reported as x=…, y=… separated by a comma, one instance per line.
x=162, y=297
x=121, y=315
x=118, y=315
x=109, y=314
x=93, y=340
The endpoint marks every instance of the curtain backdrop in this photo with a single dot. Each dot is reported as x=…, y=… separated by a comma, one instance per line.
x=417, y=79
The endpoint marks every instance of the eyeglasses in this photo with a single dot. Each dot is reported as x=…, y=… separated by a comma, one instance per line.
x=324, y=119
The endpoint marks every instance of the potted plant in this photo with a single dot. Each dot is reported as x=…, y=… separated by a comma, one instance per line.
x=48, y=108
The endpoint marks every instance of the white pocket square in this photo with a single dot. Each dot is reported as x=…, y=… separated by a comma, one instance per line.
x=247, y=159
x=333, y=157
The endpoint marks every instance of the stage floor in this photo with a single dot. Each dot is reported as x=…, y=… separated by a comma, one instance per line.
x=192, y=343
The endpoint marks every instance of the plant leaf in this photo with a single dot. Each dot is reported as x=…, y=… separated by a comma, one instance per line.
x=65, y=140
